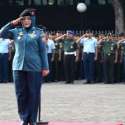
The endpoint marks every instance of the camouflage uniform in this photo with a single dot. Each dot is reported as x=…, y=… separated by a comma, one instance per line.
x=58, y=61
x=108, y=51
x=70, y=47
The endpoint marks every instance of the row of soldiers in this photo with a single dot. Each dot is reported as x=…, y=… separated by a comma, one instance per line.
x=67, y=59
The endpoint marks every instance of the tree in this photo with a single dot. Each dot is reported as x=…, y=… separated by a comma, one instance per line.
x=119, y=15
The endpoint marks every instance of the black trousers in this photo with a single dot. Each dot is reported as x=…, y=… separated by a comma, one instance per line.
x=49, y=78
x=69, y=63
x=98, y=71
x=89, y=66
x=108, y=68
x=4, y=67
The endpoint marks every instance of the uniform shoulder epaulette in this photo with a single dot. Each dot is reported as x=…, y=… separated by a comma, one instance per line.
x=40, y=29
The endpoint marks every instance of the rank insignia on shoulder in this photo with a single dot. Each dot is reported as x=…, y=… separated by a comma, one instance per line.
x=42, y=34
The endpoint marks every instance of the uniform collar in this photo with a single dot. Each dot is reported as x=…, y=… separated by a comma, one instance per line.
x=29, y=30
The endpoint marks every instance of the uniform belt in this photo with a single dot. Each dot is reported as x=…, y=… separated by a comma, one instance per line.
x=69, y=53
x=3, y=53
x=109, y=54
x=88, y=53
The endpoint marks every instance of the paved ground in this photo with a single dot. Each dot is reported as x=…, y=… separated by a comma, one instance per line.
x=77, y=102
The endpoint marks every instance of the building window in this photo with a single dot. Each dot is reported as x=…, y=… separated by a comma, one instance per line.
x=18, y=2
x=51, y=2
x=26, y=2
x=44, y=2
x=37, y=2
x=87, y=2
x=101, y=2
x=69, y=2
x=60, y=2
x=109, y=1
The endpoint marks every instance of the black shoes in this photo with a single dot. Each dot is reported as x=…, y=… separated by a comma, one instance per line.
x=69, y=82
x=23, y=123
x=86, y=82
x=33, y=123
x=26, y=123
x=89, y=82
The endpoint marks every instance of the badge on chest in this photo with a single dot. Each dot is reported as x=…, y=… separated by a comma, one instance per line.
x=20, y=35
x=32, y=35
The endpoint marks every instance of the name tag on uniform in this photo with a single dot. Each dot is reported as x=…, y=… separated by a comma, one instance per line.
x=112, y=47
x=60, y=45
x=71, y=47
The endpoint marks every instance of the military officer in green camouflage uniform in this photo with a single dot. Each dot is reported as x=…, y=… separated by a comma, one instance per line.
x=70, y=47
x=118, y=64
x=58, y=58
x=98, y=61
x=109, y=58
x=121, y=45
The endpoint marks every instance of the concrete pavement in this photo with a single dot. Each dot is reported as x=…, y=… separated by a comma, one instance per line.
x=71, y=102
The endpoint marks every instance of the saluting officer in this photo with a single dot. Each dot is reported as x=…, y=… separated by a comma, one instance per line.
x=109, y=58
x=118, y=64
x=50, y=52
x=59, y=57
x=121, y=44
x=98, y=62
x=89, y=55
x=70, y=47
x=29, y=61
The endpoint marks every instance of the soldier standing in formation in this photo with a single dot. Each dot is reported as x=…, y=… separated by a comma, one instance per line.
x=121, y=46
x=50, y=52
x=109, y=48
x=89, y=55
x=98, y=62
x=59, y=57
x=70, y=47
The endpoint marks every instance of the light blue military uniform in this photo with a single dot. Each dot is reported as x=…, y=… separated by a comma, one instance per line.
x=29, y=59
x=89, y=51
x=29, y=55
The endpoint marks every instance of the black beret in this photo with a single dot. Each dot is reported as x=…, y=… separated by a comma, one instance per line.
x=25, y=13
